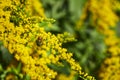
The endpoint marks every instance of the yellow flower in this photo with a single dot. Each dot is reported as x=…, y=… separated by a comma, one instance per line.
x=104, y=18
x=30, y=44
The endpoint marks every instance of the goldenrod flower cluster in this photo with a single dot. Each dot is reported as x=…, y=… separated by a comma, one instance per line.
x=98, y=14
x=34, y=7
x=110, y=69
x=103, y=17
x=116, y=4
x=22, y=35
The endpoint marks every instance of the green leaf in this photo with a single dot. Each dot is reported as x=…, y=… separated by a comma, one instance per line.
x=5, y=54
x=60, y=69
x=76, y=7
x=1, y=43
x=1, y=69
x=26, y=77
x=19, y=67
x=14, y=70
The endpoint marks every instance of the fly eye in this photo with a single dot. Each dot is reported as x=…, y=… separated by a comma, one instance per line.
x=39, y=41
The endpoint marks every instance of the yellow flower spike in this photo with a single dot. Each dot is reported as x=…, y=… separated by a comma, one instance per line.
x=99, y=13
x=116, y=4
x=21, y=38
x=106, y=24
